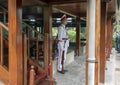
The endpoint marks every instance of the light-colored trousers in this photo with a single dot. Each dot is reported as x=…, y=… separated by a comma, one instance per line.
x=62, y=48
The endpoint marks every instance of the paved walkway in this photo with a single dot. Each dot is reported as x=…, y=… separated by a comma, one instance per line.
x=76, y=72
x=117, y=70
x=112, y=76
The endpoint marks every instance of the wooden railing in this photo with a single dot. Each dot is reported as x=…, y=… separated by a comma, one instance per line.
x=35, y=44
x=4, y=46
x=34, y=50
x=25, y=59
x=4, y=64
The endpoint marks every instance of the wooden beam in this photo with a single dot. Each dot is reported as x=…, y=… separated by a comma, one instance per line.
x=102, y=41
x=56, y=2
x=78, y=36
x=34, y=3
x=66, y=11
x=15, y=42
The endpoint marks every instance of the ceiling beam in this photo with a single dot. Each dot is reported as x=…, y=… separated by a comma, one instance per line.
x=63, y=10
x=56, y=2
x=33, y=3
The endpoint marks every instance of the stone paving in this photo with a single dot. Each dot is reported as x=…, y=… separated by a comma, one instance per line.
x=117, y=69
x=110, y=72
x=75, y=74
x=76, y=71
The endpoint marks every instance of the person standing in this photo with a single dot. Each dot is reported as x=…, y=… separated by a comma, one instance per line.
x=117, y=41
x=63, y=43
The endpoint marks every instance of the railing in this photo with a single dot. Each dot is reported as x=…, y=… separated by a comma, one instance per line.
x=25, y=58
x=35, y=46
x=34, y=50
x=4, y=63
x=4, y=56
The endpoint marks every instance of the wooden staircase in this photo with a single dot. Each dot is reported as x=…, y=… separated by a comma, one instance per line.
x=39, y=69
x=33, y=55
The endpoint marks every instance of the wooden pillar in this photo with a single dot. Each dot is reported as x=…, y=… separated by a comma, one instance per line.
x=102, y=41
x=93, y=41
x=15, y=42
x=87, y=35
x=48, y=30
x=106, y=40
x=97, y=40
x=110, y=37
x=78, y=36
x=109, y=26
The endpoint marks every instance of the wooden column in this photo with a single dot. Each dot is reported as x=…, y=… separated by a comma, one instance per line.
x=102, y=41
x=109, y=25
x=87, y=35
x=97, y=40
x=93, y=16
x=78, y=36
x=48, y=30
x=111, y=34
x=15, y=42
x=106, y=40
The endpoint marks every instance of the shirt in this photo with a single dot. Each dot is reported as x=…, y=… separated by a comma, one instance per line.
x=62, y=32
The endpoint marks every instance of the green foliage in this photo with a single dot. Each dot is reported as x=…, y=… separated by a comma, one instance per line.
x=72, y=35
x=116, y=28
x=54, y=32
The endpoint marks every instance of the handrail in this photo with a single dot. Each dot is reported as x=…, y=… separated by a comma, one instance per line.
x=3, y=25
x=22, y=23
x=31, y=62
x=32, y=28
x=4, y=9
